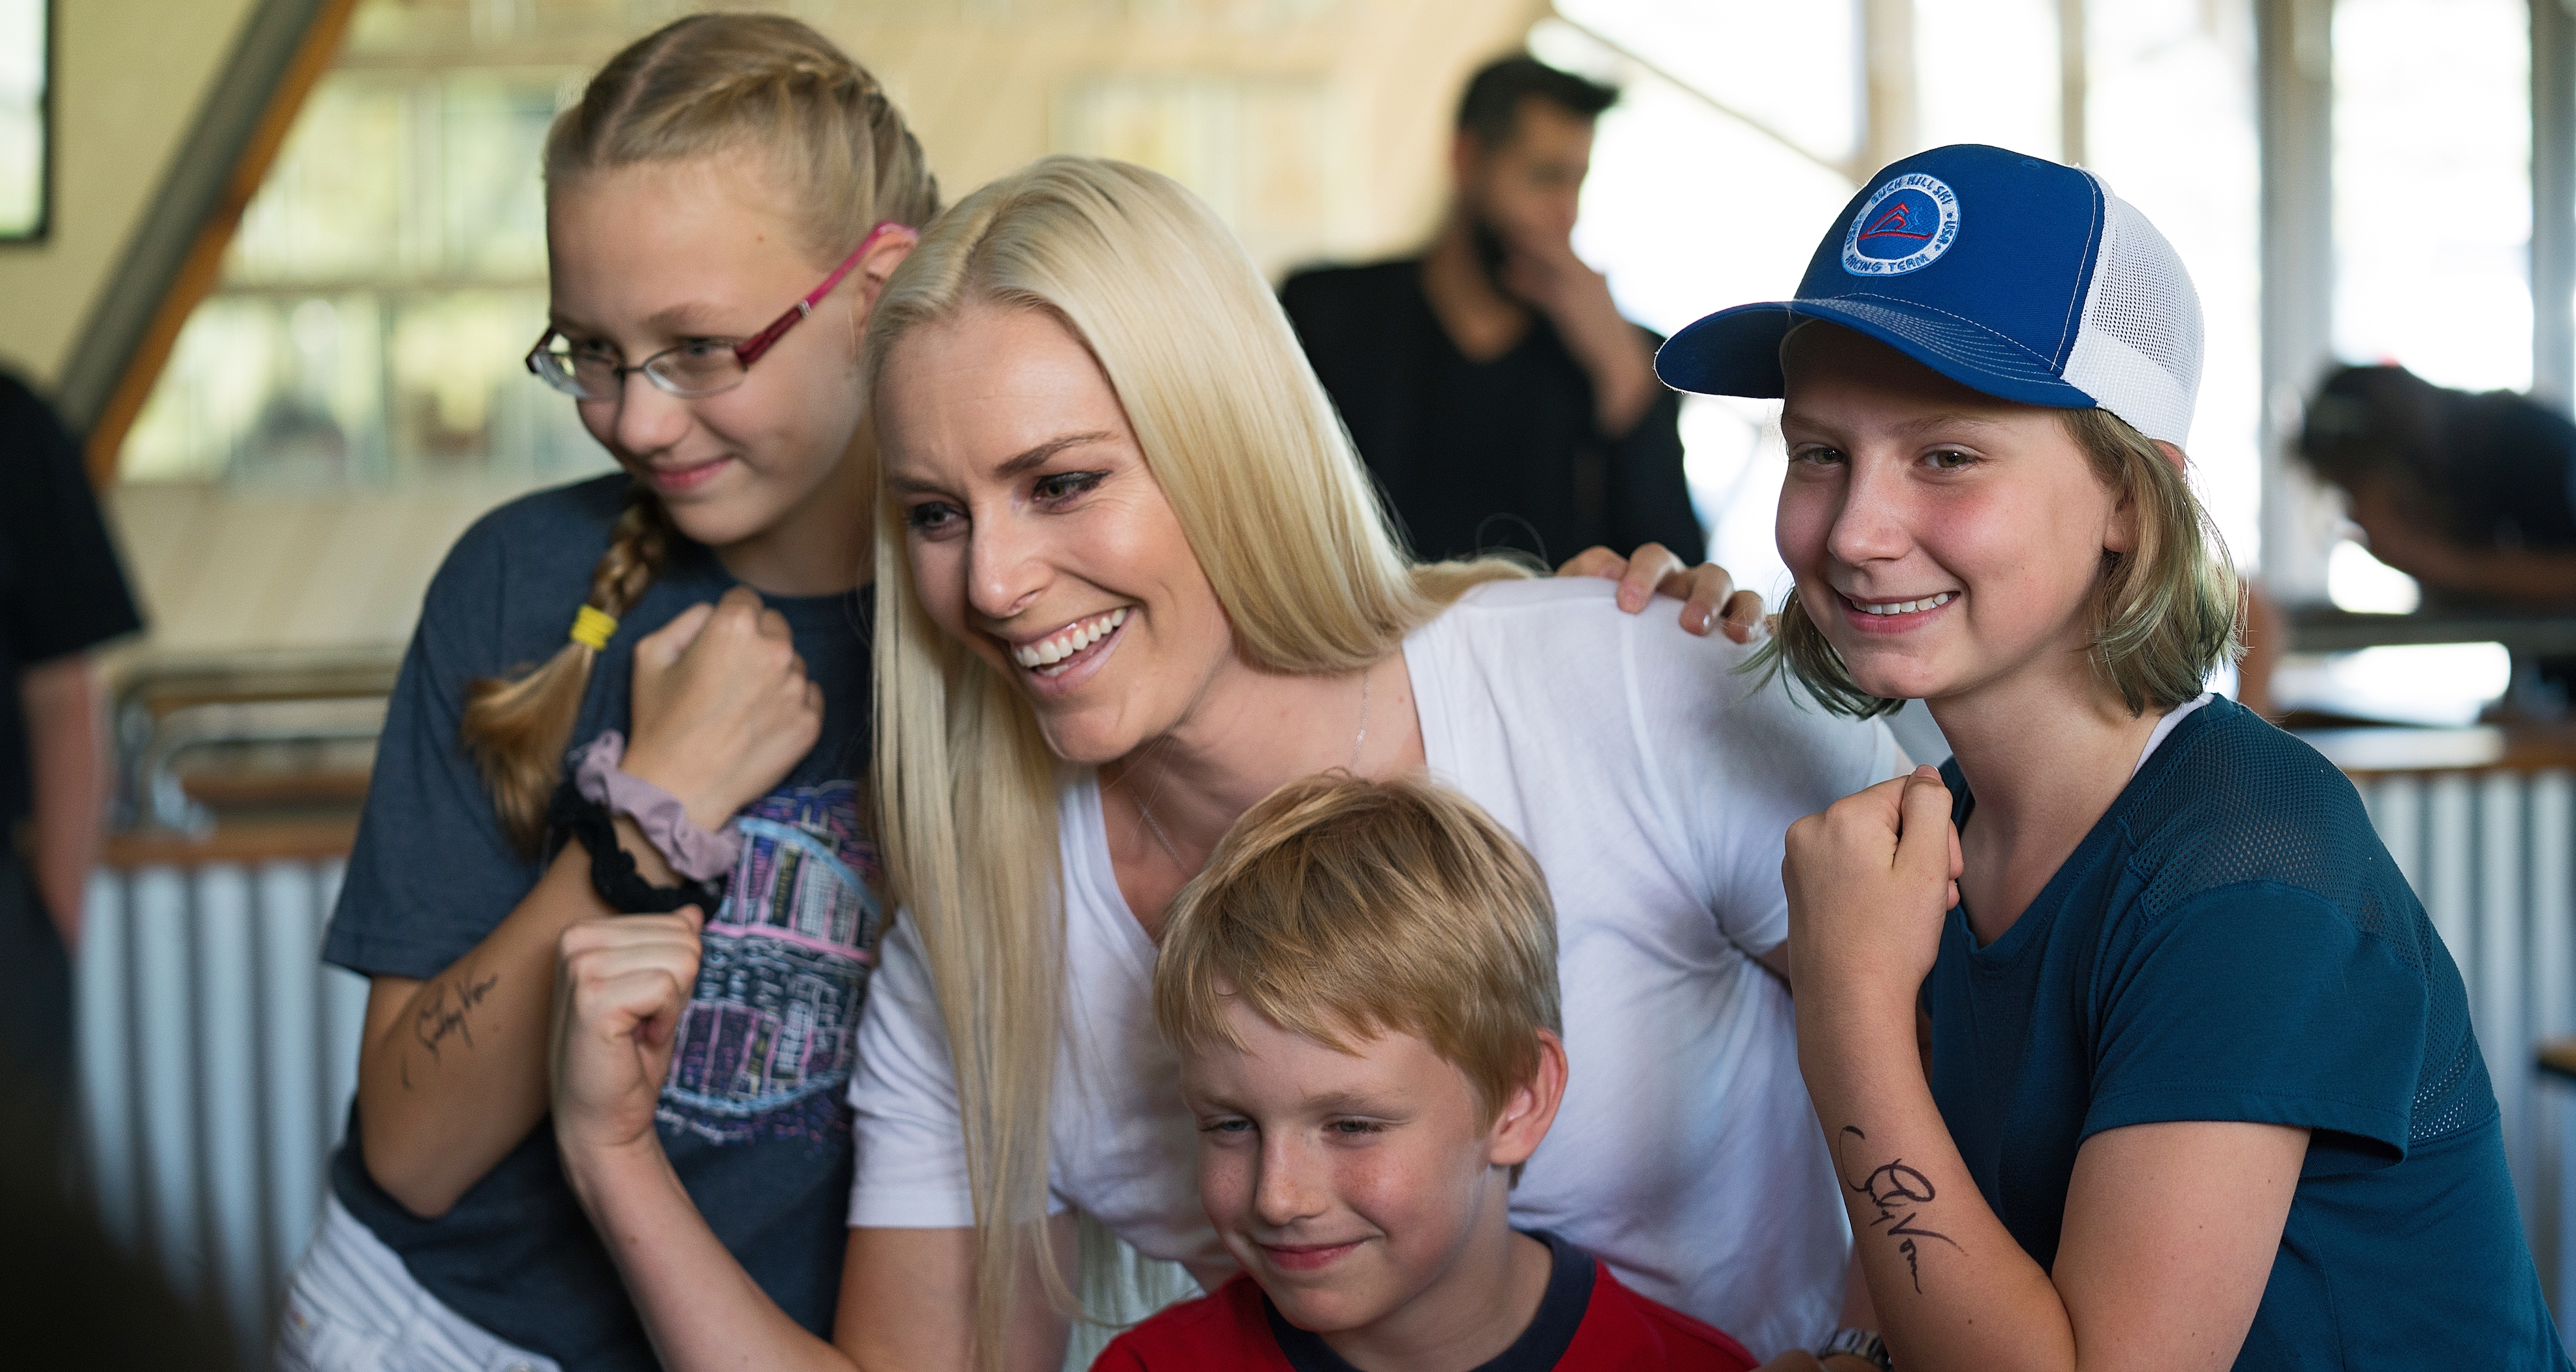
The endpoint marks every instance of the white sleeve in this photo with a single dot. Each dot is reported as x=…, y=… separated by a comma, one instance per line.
x=911, y=1145
x=1736, y=760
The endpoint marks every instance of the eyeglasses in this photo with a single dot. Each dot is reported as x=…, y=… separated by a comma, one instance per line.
x=693, y=370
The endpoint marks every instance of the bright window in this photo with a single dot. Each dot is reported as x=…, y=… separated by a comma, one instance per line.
x=1986, y=71
x=24, y=138
x=1733, y=148
x=2169, y=124
x=384, y=284
x=2432, y=174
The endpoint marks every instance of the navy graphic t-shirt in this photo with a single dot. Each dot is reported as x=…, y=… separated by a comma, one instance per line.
x=752, y=1116
x=2232, y=942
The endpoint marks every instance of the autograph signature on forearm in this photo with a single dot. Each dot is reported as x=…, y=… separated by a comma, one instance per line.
x=442, y=1016
x=1894, y=1187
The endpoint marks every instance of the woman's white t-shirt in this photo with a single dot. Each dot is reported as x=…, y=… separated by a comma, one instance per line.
x=1654, y=786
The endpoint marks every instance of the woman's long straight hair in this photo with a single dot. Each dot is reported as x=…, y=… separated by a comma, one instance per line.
x=779, y=94
x=1284, y=522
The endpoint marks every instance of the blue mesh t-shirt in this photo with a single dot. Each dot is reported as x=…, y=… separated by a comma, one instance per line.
x=2232, y=942
x=753, y=1116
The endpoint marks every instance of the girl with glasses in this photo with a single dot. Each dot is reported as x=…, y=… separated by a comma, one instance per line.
x=722, y=206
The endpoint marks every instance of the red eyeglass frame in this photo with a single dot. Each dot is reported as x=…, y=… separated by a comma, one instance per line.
x=749, y=350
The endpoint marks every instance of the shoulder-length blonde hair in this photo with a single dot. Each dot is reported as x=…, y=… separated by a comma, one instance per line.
x=2164, y=614
x=1283, y=520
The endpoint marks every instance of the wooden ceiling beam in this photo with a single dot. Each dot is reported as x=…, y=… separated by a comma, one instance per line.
x=176, y=255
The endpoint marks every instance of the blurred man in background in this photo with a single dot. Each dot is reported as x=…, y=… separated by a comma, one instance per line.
x=2472, y=494
x=62, y=595
x=1491, y=384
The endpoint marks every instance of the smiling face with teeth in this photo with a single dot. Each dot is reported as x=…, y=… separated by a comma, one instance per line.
x=1037, y=535
x=1944, y=541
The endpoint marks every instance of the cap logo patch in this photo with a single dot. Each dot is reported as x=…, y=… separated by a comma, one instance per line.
x=1904, y=225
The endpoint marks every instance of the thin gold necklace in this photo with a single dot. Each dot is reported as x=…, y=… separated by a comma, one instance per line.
x=1145, y=803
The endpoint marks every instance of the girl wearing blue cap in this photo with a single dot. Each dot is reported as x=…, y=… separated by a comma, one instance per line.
x=2131, y=1043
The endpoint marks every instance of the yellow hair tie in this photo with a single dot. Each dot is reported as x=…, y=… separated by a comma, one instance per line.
x=591, y=628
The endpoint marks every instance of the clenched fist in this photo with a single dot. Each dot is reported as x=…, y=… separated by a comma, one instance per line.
x=1870, y=882
x=621, y=984
x=723, y=708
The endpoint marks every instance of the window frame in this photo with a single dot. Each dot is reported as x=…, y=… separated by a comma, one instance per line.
x=40, y=232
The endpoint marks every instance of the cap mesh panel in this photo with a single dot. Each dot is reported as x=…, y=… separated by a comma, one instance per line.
x=2138, y=346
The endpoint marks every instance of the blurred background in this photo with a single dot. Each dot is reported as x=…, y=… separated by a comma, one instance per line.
x=336, y=382
x=279, y=260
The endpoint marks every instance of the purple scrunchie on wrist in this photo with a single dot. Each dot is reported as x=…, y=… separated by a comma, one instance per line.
x=692, y=852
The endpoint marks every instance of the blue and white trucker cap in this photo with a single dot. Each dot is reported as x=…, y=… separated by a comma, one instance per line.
x=2014, y=276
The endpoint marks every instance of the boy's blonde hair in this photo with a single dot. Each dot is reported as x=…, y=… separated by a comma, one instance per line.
x=2165, y=614
x=1342, y=909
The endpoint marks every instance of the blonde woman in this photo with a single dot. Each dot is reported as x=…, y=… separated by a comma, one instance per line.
x=1131, y=579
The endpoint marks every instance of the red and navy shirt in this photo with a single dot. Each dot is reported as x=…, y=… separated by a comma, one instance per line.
x=1586, y=1322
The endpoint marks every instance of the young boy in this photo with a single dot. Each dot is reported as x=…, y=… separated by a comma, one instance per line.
x=1362, y=989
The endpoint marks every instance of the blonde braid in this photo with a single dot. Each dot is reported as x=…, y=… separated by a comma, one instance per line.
x=518, y=730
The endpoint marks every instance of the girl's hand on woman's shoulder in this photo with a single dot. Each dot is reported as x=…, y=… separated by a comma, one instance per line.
x=723, y=708
x=1708, y=595
x=1870, y=881
x=621, y=984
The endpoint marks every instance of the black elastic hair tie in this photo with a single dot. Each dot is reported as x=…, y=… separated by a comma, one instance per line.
x=613, y=873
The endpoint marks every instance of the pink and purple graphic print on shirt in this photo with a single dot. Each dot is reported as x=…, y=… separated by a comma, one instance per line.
x=764, y=1047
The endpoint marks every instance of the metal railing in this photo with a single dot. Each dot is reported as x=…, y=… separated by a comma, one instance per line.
x=167, y=711
x=217, y=1059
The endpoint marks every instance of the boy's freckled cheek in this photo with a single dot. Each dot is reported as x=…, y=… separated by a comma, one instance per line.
x=1225, y=1181
x=1378, y=1184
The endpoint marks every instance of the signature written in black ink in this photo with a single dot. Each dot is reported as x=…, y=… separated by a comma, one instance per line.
x=1894, y=1187
x=443, y=1016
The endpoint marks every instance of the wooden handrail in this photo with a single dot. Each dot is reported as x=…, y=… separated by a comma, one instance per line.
x=309, y=839
x=2514, y=748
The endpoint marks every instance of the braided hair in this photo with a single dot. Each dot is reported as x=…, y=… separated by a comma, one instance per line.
x=518, y=729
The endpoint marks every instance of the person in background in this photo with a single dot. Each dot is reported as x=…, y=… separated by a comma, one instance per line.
x=1361, y=985
x=71, y=1295
x=62, y=595
x=2473, y=495
x=1490, y=383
